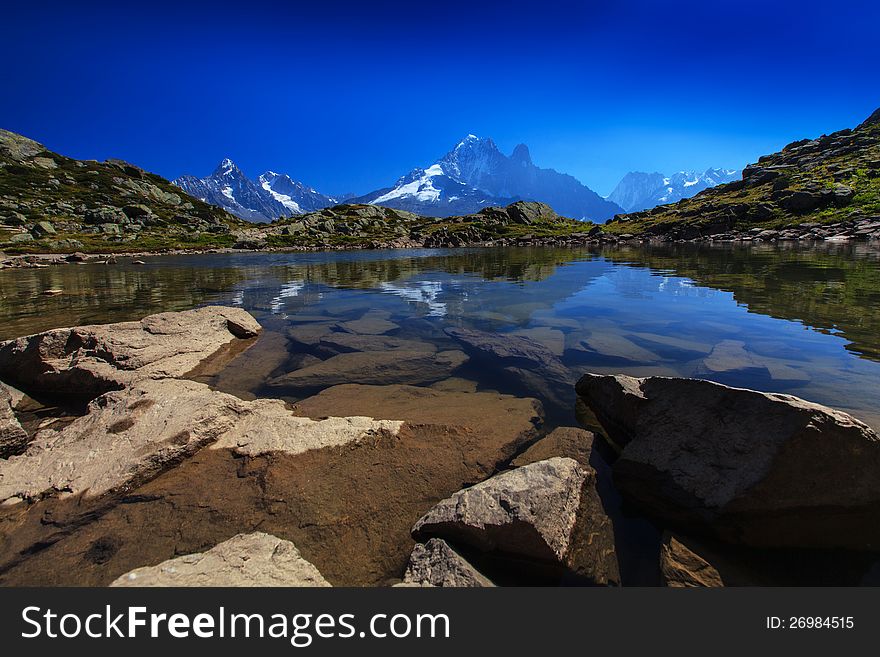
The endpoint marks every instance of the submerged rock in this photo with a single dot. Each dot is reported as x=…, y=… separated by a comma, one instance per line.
x=755, y=468
x=256, y=559
x=532, y=513
x=530, y=364
x=374, y=367
x=90, y=360
x=435, y=563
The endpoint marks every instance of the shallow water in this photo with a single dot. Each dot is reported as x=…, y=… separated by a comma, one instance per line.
x=800, y=320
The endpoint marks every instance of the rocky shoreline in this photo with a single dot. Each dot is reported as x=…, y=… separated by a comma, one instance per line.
x=147, y=476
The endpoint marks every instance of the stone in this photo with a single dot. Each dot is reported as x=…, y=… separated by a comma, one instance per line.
x=345, y=342
x=533, y=513
x=256, y=559
x=680, y=567
x=570, y=442
x=129, y=436
x=309, y=334
x=528, y=363
x=13, y=438
x=500, y=423
x=374, y=367
x=43, y=228
x=551, y=338
x=18, y=238
x=90, y=360
x=435, y=563
x=612, y=345
x=760, y=469
x=372, y=323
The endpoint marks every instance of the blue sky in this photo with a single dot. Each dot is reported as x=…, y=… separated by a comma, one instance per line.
x=348, y=96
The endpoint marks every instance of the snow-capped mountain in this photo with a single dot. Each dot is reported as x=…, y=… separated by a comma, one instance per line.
x=642, y=191
x=271, y=196
x=475, y=174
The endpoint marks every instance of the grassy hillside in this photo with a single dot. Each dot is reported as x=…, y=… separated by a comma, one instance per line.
x=49, y=202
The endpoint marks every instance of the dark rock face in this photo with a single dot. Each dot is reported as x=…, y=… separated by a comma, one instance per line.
x=760, y=469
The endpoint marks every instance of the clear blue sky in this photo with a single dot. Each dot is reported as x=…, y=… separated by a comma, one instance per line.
x=347, y=96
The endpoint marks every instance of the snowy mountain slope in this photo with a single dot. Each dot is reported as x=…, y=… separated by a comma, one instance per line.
x=476, y=174
x=641, y=191
x=272, y=196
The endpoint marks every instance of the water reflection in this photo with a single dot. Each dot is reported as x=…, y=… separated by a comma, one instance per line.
x=788, y=319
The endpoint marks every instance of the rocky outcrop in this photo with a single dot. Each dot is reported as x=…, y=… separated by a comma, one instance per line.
x=531, y=513
x=90, y=360
x=256, y=559
x=528, y=363
x=130, y=436
x=374, y=367
x=435, y=563
x=755, y=468
x=13, y=437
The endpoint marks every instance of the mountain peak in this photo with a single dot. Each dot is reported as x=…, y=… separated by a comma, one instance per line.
x=226, y=167
x=521, y=154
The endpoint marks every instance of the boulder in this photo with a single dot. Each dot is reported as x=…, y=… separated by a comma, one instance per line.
x=761, y=469
x=374, y=367
x=256, y=559
x=130, y=436
x=534, y=513
x=13, y=438
x=90, y=360
x=529, y=364
x=435, y=563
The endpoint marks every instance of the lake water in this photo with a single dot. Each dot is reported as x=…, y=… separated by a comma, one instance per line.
x=795, y=319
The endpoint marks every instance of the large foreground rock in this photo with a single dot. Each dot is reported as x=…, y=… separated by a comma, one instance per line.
x=374, y=367
x=13, y=437
x=531, y=513
x=256, y=559
x=345, y=490
x=526, y=362
x=435, y=563
x=761, y=469
x=90, y=360
x=129, y=436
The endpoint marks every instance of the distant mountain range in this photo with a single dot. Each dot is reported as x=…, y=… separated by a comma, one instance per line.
x=475, y=174
x=642, y=191
x=269, y=197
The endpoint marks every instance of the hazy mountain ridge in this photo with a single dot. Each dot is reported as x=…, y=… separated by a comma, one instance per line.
x=642, y=191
